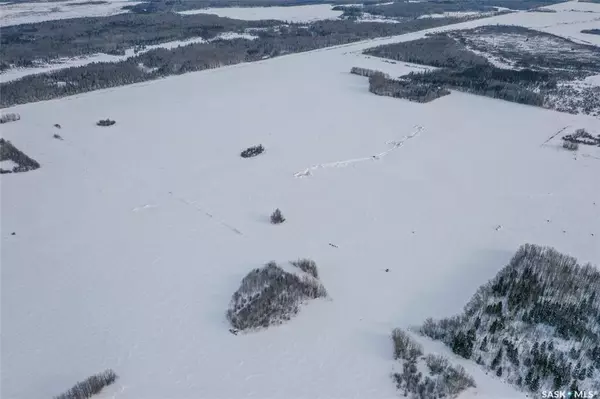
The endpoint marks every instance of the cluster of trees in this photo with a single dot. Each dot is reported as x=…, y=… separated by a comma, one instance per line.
x=534, y=83
x=575, y=99
x=406, y=88
x=536, y=324
x=90, y=386
x=367, y=72
x=8, y=152
x=426, y=377
x=270, y=295
x=164, y=62
x=252, y=151
x=551, y=51
x=105, y=122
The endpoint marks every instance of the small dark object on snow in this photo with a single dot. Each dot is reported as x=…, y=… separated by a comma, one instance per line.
x=387, y=270
x=105, y=122
x=56, y=125
x=57, y=136
x=13, y=234
x=234, y=331
x=252, y=151
x=277, y=217
x=333, y=245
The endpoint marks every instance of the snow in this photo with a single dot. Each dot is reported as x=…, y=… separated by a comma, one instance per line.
x=8, y=164
x=456, y=14
x=367, y=17
x=235, y=35
x=18, y=73
x=131, y=239
x=296, y=14
x=24, y=13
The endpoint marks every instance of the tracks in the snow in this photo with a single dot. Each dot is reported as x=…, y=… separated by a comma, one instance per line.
x=342, y=164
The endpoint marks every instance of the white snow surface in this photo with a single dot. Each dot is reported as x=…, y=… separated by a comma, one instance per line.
x=456, y=14
x=31, y=12
x=8, y=164
x=298, y=14
x=131, y=239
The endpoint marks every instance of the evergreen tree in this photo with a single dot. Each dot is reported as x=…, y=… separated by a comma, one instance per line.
x=484, y=344
x=574, y=387
x=496, y=361
x=535, y=384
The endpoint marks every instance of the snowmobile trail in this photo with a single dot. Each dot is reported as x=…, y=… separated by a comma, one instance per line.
x=144, y=183
x=342, y=164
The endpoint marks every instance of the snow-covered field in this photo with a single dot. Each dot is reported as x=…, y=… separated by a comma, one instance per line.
x=24, y=13
x=125, y=252
x=290, y=14
x=63, y=63
x=457, y=14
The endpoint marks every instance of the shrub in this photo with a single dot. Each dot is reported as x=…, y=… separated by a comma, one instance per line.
x=90, y=386
x=308, y=266
x=277, y=217
x=436, y=363
x=457, y=380
x=404, y=346
x=9, y=118
x=252, y=151
x=105, y=122
x=570, y=145
x=444, y=381
x=269, y=296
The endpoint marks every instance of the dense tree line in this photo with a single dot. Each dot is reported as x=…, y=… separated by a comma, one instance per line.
x=408, y=89
x=90, y=386
x=489, y=81
x=23, y=45
x=536, y=324
x=367, y=72
x=164, y=62
x=438, y=50
x=156, y=6
x=591, y=31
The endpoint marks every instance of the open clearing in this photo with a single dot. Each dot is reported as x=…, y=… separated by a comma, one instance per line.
x=24, y=13
x=291, y=14
x=131, y=239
